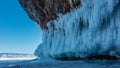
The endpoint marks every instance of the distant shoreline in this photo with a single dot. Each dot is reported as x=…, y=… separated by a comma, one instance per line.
x=16, y=56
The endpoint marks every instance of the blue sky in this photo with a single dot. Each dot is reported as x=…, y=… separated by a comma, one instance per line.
x=18, y=34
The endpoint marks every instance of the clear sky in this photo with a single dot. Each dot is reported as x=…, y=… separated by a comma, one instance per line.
x=18, y=34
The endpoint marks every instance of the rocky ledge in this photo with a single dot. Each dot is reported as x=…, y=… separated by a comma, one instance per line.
x=42, y=11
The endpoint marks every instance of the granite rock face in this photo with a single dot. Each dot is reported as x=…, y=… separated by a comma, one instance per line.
x=42, y=11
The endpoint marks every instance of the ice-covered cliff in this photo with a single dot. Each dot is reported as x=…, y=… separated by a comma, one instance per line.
x=90, y=29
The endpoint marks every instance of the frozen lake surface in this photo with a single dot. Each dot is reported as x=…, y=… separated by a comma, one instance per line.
x=49, y=63
x=9, y=62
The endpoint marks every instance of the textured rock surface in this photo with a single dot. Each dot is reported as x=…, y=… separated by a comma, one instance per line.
x=42, y=11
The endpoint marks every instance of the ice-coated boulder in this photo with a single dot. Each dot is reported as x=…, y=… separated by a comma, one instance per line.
x=90, y=29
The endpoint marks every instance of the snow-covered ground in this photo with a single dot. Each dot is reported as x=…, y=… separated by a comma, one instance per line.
x=11, y=59
x=49, y=63
x=15, y=55
x=23, y=61
x=20, y=59
x=8, y=62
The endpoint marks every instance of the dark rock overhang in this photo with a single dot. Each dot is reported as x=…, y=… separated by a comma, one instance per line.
x=42, y=11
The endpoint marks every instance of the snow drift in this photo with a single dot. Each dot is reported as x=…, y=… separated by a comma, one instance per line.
x=91, y=29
